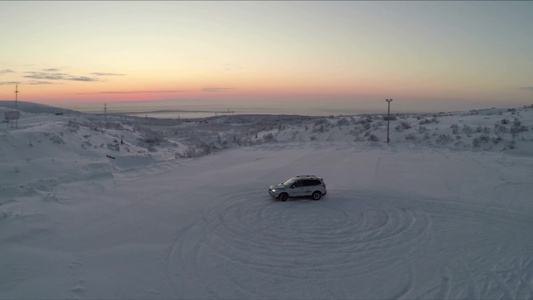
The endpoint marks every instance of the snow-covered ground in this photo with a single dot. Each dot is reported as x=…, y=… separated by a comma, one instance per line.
x=115, y=207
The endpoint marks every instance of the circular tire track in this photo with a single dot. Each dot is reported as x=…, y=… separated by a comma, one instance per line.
x=251, y=234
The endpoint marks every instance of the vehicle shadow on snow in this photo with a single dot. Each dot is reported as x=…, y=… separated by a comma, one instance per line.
x=299, y=199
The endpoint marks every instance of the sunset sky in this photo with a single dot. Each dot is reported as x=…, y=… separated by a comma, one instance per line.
x=430, y=52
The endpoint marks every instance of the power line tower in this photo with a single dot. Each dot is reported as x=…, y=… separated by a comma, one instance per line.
x=12, y=116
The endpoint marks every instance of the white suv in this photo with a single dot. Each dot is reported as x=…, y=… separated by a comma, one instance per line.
x=299, y=186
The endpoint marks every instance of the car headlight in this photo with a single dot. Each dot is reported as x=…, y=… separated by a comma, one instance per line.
x=273, y=190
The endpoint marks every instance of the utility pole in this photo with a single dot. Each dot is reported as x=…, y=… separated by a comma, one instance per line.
x=388, y=119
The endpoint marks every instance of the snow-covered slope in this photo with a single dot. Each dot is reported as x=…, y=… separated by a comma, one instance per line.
x=33, y=107
x=122, y=207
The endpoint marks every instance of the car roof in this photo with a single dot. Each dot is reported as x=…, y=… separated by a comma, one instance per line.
x=307, y=177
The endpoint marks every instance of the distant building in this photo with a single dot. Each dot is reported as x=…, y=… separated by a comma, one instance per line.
x=11, y=117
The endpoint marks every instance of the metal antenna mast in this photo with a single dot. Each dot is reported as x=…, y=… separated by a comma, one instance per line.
x=16, y=96
x=12, y=116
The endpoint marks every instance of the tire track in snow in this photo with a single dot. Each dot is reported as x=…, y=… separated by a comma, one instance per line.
x=181, y=269
x=249, y=238
x=505, y=280
x=488, y=251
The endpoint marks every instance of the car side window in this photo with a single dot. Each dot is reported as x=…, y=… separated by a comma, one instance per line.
x=298, y=183
x=312, y=182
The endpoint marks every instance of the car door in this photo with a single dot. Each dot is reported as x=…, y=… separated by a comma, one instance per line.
x=308, y=185
x=297, y=189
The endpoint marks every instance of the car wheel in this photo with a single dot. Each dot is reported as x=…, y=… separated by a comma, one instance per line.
x=317, y=195
x=283, y=197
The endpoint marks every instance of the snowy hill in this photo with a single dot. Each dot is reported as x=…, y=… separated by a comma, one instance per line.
x=95, y=206
x=31, y=107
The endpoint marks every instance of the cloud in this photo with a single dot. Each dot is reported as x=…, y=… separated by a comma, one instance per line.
x=132, y=92
x=106, y=74
x=5, y=71
x=215, y=90
x=57, y=76
x=36, y=82
x=32, y=82
x=9, y=82
x=81, y=78
x=527, y=88
x=47, y=76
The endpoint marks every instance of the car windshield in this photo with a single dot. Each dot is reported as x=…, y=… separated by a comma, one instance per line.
x=289, y=182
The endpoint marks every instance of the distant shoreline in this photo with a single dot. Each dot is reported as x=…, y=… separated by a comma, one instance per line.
x=165, y=110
